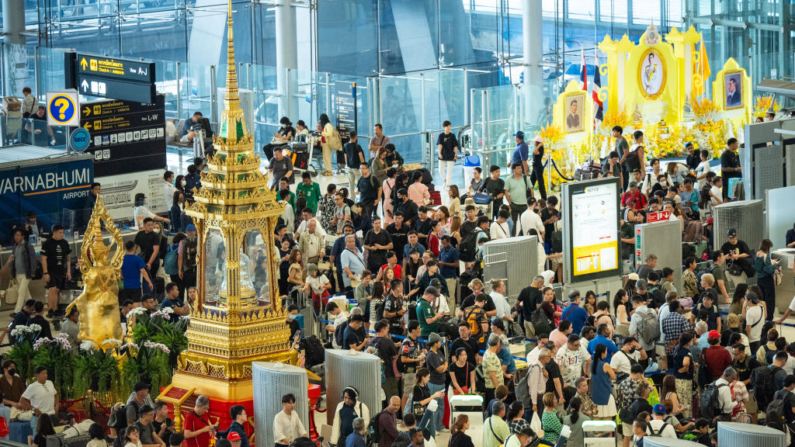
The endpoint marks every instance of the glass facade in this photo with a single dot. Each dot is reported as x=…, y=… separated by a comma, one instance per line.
x=416, y=63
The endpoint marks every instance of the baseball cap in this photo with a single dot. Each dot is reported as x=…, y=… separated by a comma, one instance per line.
x=191, y=227
x=519, y=134
x=713, y=335
x=432, y=290
x=659, y=409
x=434, y=337
x=233, y=436
x=710, y=220
x=497, y=322
x=538, y=139
x=731, y=233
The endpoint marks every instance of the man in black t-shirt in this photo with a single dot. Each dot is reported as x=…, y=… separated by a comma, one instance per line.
x=729, y=165
x=377, y=242
x=495, y=187
x=368, y=189
x=407, y=207
x=448, y=153
x=386, y=351
x=530, y=298
x=550, y=216
x=466, y=342
x=55, y=262
x=538, y=166
x=393, y=307
x=737, y=252
x=471, y=221
x=398, y=232
x=148, y=243
x=423, y=226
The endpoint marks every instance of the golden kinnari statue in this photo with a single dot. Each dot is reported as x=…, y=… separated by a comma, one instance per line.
x=99, y=303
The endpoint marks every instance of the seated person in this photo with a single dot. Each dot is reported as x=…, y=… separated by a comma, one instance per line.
x=190, y=127
x=280, y=138
x=173, y=301
x=36, y=128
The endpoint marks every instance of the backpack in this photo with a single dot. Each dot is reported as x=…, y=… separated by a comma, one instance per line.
x=190, y=254
x=541, y=323
x=649, y=327
x=339, y=333
x=474, y=318
x=633, y=160
x=764, y=387
x=557, y=242
x=334, y=141
x=776, y=407
x=171, y=261
x=315, y=353
x=372, y=430
x=770, y=354
x=118, y=419
x=468, y=246
x=658, y=433
x=523, y=390
x=710, y=401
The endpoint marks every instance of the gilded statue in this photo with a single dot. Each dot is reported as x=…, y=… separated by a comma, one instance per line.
x=99, y=303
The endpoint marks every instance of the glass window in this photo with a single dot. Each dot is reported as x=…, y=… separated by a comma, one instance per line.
x=645, y=11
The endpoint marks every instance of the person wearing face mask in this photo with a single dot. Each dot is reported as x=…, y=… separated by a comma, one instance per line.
x=11, y=387
x=179, y=220
x=168, y=186
x=651, y=179
x=292, y=321
x=280, y=138
x=141, y=212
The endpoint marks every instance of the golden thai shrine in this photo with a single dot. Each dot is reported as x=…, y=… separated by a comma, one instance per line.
x=233, y=322
x=656, y=86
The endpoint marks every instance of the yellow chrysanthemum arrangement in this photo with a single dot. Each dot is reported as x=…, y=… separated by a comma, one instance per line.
x=764, y=104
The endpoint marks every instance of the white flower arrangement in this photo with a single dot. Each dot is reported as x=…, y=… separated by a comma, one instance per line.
x=111, y=342
x=129, y=345
x=159, y=346
x=34, y=328
x=137, y=311
x=20, y=331
x=167, y=310
x=87, y=345
x=163, y=314
x=44, y=341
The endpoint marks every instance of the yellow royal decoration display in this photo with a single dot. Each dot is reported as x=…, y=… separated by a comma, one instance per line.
x=239, y=317
x=98, y=305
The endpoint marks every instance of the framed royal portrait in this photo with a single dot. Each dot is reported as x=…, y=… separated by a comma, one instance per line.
x=573, y=113
x=733, y=85
x=651, y=74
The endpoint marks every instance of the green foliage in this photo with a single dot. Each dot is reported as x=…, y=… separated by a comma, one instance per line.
x=59, y=362
x=148, y=364
x=97, y=371
x=22, y=354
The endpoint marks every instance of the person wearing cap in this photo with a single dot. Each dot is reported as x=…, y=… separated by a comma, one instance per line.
x=520, y=154
x=538, y=166
x=437, y=365
x=738, y=253
x=350, y=338
x=137, y=400
x=448, y=153
x=657, y=426
x=148, y=435
x=517, y=188
x=717, y=358
x=234, y=439
x=426, y=315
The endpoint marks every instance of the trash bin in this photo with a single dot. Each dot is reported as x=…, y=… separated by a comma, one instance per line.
x=470, y=163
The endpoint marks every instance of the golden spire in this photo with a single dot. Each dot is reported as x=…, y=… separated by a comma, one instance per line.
x=232, y=126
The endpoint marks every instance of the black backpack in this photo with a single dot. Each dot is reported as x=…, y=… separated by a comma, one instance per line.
x=468, y=246
x=339, y=333
x=190, y=254
x=658, y=433
x=701, y=274
x=315, y=353
x=633, y=160
x=541, y=323
x=764, y=386
x=776, y=407
x=372, y=430
x=118, y=420
x=710, y=401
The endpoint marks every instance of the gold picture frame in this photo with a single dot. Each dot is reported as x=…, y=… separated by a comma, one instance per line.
x=650, y=83
x=737, y=100
x=574, y=121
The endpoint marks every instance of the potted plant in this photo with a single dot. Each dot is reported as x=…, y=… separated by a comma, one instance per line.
x=54, y=354
x=22, y=352
x=165, y=328
x=96, y=368
x=147, y=362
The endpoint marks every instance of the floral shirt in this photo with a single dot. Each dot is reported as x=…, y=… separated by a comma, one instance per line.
x=492, y=363
x=327, y=213
x=588, y=406
x=627, y=392
x=691, y=284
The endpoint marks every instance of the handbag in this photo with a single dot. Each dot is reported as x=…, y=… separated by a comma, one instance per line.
x=12, y=293
x=529, y=189
x=20, y=415
x=481, y=198
x=535, y=424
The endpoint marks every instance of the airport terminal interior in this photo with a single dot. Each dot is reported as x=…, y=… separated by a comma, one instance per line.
x=394, y=223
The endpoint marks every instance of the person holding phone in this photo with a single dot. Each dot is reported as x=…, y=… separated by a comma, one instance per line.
x=197, y=429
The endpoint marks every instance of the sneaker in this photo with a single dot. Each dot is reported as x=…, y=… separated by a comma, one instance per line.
x=49, y=314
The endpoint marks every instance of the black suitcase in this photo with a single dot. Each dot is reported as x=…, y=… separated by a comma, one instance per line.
x=160, y=287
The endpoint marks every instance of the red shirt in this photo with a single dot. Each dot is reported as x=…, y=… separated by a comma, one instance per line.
x=195, y=423
x=397, y=271
x=640, y=202
x=717, y=359
x=433, y=242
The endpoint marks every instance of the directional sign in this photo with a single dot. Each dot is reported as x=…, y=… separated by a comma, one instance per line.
x=126, y=136
x=79, y=140
x=658, y=216
x=62, y=108
x=104, y=77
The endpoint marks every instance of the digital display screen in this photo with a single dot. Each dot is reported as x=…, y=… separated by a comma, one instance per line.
x=594, y=224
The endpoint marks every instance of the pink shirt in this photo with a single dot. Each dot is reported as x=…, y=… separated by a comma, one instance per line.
x=559, y=338
x=418, y=193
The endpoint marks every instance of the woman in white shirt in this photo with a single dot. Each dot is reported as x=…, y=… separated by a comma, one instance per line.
x=141, y=212
x=500, y=230
x=132, y=437
x=703, y=169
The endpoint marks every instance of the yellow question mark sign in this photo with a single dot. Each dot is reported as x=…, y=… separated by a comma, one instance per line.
x=62, y=105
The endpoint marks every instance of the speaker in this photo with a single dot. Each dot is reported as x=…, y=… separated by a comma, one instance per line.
x=733, y=434
x=346, y=368
x=271, y=381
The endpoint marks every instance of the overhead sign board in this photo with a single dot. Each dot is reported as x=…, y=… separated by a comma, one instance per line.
x=106, y=77
x=62, y=108
x=125, y=136
x=591, y=229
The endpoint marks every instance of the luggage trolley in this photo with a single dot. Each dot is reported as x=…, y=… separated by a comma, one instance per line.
x=301, y=155
x=599, y=434
x=472, y=406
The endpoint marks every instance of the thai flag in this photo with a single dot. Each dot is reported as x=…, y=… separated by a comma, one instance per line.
x=583, y=71
x=598, y=114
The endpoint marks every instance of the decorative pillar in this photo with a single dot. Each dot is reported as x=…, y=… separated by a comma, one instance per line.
x=616, y=51
x=532, y=39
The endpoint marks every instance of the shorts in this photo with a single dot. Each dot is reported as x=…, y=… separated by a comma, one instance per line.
x=627, y=428
x=57, y=280
x=133, y=295
x=408, y=383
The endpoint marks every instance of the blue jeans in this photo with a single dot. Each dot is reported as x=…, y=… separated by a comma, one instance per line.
x=34, y=422
x=428, y=421
x=438, y=415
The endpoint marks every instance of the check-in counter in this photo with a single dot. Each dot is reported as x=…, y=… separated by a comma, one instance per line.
x=786, y=291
